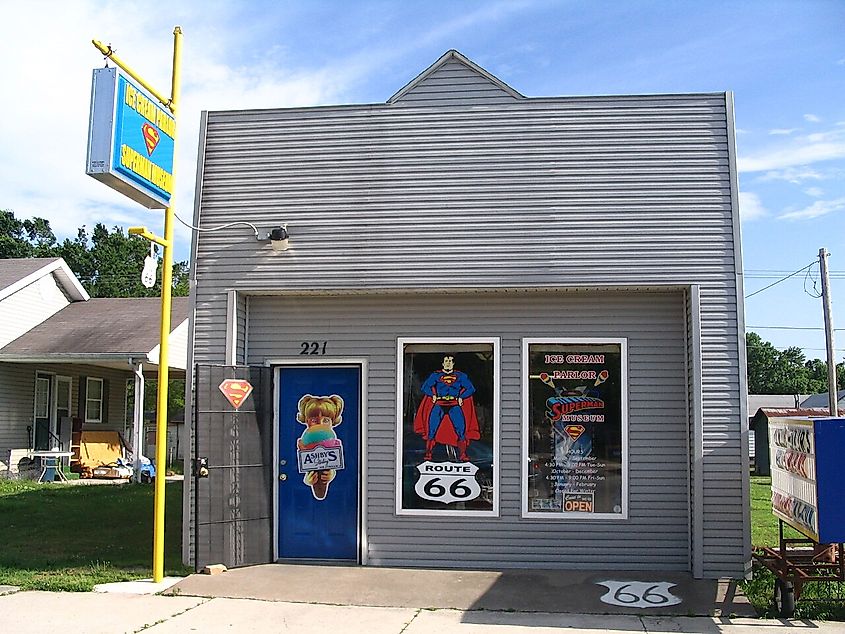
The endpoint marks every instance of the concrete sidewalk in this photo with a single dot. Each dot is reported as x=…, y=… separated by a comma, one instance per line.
x=552, y=591
x=94, y=613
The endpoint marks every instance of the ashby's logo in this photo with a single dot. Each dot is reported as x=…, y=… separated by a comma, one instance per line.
x=560, y=406
x=320, y=458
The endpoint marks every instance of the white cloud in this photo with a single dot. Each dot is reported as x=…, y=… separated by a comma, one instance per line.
x=812, y=118
x=750, y=206
x=815, y=192
x=46, y=121
x=796, y=175
x=796, y=151
x=818, y=208
x=783, y=131
x=47, y=76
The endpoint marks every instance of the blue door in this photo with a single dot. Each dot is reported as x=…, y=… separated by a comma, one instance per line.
x=319, y=422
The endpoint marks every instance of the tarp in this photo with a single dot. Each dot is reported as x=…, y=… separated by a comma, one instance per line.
x=99, y=448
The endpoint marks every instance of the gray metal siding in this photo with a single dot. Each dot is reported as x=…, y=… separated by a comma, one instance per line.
x=656, y=535
x=563, y=192
x=454, y=83
x=241, y=328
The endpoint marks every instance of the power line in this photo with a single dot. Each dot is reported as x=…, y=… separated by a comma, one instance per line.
x=783, y=279
x=791, y=328
x=780, y=271
x=803, y=348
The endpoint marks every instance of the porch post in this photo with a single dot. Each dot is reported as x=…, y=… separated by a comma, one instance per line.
x=138, y=421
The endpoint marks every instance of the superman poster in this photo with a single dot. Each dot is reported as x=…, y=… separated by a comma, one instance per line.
x=575, y=428
x=447, y=427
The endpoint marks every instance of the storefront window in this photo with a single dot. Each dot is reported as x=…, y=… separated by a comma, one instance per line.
x=575, y=428
x=448, y=423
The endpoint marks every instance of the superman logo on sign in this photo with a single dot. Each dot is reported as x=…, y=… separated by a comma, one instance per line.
x=236, y=391
x=574, y=431
x=151, y=137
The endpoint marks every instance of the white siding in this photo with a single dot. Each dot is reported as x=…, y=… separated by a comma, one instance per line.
x=28, y=307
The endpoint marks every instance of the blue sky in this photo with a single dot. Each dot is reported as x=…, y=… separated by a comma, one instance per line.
x=785, y=62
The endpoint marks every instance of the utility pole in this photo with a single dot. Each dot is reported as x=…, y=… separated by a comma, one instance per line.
x=832, y=390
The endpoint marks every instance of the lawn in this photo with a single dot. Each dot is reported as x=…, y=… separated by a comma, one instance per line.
x=764, y=525
x=764, y=532
x=60, y=537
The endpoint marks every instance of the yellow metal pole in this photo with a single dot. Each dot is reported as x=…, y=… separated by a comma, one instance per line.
x=109, y=53
x=163, y=360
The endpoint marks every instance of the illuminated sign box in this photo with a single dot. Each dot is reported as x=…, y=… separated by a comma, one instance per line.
x=807, y=473
x=130, y=140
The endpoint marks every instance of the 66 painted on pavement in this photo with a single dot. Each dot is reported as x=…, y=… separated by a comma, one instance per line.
x=447, y=482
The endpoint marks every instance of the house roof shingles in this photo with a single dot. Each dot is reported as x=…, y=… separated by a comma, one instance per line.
x=99, y=326
x=15, y=269
x=821, y=400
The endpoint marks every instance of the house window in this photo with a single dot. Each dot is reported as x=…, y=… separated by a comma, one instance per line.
x=42, y=397
x=93, y=400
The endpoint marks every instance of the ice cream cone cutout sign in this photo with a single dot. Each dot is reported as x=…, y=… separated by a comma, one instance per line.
x=319, y=452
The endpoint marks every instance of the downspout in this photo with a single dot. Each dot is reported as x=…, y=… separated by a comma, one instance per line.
x=138, y=420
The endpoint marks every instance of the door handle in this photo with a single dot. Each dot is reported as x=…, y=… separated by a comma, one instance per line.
x=283, y=476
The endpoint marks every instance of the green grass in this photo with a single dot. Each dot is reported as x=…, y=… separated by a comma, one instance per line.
x=764, y=525
x=59, y=537
x=760, y=589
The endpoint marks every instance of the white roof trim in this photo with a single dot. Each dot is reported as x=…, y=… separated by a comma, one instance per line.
x=66, y=277
x=447, y=56
x=177, y=349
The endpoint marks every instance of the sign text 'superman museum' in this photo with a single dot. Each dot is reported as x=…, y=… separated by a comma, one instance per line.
x=507, y=332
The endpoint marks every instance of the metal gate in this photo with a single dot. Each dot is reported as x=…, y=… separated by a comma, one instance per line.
x=233, y=468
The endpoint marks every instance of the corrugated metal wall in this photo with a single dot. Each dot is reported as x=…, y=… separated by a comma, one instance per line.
x=656, y=535
x=562, y=192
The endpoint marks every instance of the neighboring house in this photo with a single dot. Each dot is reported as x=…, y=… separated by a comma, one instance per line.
x=65, y=356
x=821, y=400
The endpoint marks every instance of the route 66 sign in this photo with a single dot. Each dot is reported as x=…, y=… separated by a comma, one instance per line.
x=447, y=482
x=639, y=594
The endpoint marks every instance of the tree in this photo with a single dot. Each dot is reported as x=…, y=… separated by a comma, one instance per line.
x=108, y=263
x=25, y=238
x=773, y=371
x=761, y=358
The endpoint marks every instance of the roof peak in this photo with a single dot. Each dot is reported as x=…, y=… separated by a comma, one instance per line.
x=450, y=55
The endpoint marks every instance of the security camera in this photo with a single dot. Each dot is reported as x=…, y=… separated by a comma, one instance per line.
x=279, y=239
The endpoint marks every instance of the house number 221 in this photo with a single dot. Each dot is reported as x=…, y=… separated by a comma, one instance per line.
x=313, y=347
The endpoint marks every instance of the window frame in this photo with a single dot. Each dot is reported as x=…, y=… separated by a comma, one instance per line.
x=88, y=398
x=526, y=513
